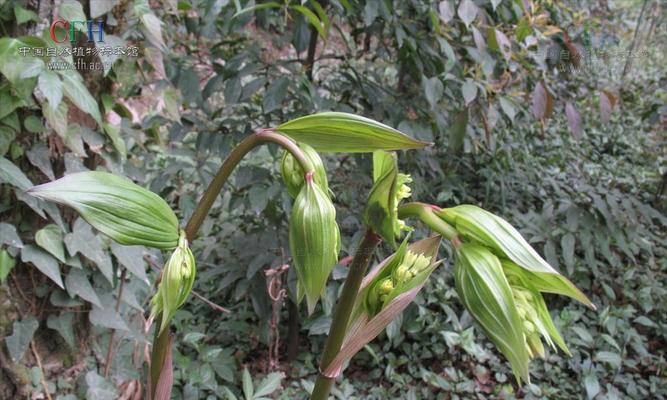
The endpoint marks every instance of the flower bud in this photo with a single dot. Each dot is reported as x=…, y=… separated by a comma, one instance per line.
x=485, y=292
x=480, y=226
x=178, y=277
x=389, y=188
x=293, y=174
x=314, y=241
x=117, y=207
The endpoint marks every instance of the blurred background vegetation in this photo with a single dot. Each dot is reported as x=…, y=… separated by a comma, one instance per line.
x=550, y=113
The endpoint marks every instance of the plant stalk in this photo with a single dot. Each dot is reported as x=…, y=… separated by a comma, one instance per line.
x=425, y=213
x=161, y=342
x=341, y=317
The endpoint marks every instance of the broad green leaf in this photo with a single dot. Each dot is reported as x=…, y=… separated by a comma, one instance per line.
x=275, y=94
x=113, y=131
x=63, y=323
x=78, y=93
x=12, y=64
x=43, y=261
x=23, y=15
x=10, y=173
x=99, y=8
x=115, y=206
x=39, y=156
x=467, y=11
x=433, y=90
x=21, y=336
x=7, y=136
x=98, y=388
x=51, y=86
x=380, y=211
x=77, y=284
x=50, y=238
x=343, y=132
x=72, y=10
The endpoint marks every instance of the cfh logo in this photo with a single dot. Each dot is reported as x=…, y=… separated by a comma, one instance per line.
x=72, y=26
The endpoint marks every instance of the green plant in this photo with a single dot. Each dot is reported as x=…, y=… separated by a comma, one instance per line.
x=509, y=308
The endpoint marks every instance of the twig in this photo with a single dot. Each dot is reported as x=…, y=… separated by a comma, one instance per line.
x=39, y=364
x=110, y=354
x=206, y=301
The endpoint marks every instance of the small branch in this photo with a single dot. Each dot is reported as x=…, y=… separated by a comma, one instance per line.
x=109, y=358
x=41, y=368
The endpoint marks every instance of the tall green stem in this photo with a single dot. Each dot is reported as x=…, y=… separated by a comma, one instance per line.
x=161, y=345
x=341, y=316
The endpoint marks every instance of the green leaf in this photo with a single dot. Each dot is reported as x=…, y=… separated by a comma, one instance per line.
x=458, y=130
x=64, y=325
x=7, y=136
x=50, y=238
x=43, y=261
x=608, y=357
x=12, y=64
x=78, y=93
x=98, y=388
x=132, y=258
x=275, y=94
x=312, y=18
x=51, y=86
x=77, y=284
x=268, y=385
x=7, y=263
x=113, y=132
x=262, y=6
x=433, y=90
x=115, y=206
x=83, y=240
x=152, y=28
x=10, y=173
x=23, y=15
x=343, y=132
x=467, y=12
x=248, y=390
x=469, y=91
x=57, y=119
x=21, y=336
x=9, y=236
x=107, y=316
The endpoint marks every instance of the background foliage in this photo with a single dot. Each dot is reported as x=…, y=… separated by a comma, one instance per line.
x=534, y=111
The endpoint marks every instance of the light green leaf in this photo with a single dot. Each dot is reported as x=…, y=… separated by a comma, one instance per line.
x=78, y=93
x=12, y=63
x=248, y=390
x=152, y=28
x=51, y=86
x=132, y=258
x=9, y=236
x=83, y=240
x=98, y=388
x=21, y=336
x=115, y=206
x=107, y=316
x=113, y=132
x=101, y=7
x=43, y=261
x=50, y=238
x=72, y=10
x=343, y=132
x=23, y=15
x=469, y=91
x=467, y=11
x=57, y=118
x=269, y=384
x=10, y=173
